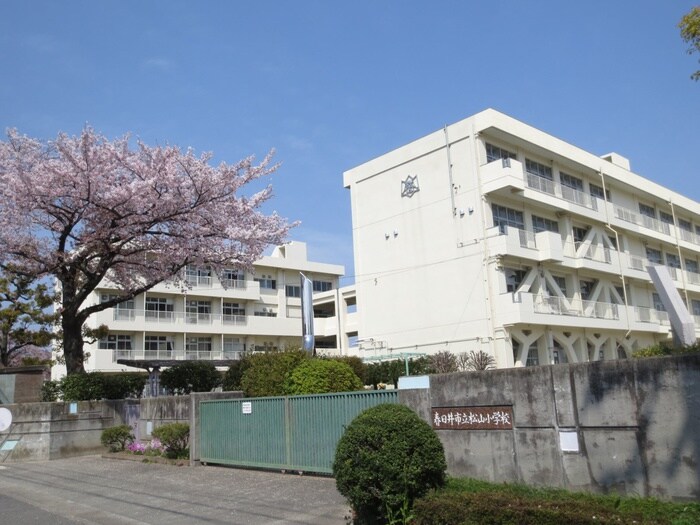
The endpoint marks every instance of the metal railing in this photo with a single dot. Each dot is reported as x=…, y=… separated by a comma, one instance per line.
x=527, y=239
x=239, y=284
x=234, y=319
x=643, y=314
x=567, y=193
x=591, y=252
x=651, y=223
x=575, y=307
x=197, y=318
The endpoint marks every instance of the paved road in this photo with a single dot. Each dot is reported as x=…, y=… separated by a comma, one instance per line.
x=93, y=490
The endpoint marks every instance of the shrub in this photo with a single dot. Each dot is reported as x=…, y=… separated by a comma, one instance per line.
x=117, y=438
x=82, y=387
x=322, y=376
x=662, y=349
x=190, y=376
x=387, y=458
x=475, y=502
x=234, y=374
x=50, y=391
x=174, y=438
x=123, y=385
x=268, y=372
x=356, y=363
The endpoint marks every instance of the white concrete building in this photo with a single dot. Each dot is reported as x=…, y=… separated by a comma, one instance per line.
x=492, y=235
x=254, y=311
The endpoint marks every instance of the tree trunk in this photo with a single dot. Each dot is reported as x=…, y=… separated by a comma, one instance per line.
x=73, y=346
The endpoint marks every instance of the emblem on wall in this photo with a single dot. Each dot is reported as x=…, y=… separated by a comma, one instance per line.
x=409, y=187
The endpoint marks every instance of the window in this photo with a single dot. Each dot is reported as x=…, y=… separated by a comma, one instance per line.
x=233, y=278
x=159, y=308
x=514, y=278
x=654, y=256
x=691, y=265
x=540, y=224
x=685, y=225
x=579, y=235
x=695, y=305
x=120, y=345
x=115, y=342
x=504, y=217
x=586, y=289
x=535, y=168
x=123, y=311
x=658, y=303
x=198, y=347
x=265, y=312
x=598, y=192
x=495, y=153
x=613, y=242
x=233, y=347
x=292, y=290
x=267, y=282
x=647, y=211
x=666, y=217
x=322, y=286
x=198, y=276
x=233, y=309
x=673, y=260
x=198, y=311
x=157, y=346
x=533, y=358
x=561, y=283
x=571, y=182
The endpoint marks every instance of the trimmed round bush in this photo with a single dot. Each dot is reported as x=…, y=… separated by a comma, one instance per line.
x=386, y=459
x=322, y=376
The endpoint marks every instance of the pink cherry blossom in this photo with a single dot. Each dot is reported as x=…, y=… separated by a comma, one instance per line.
x=83, y=209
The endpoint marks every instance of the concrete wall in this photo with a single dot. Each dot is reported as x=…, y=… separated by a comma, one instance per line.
x=44, y=431
x=635, y=422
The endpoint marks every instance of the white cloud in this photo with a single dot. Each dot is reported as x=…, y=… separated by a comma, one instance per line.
x=158, y=64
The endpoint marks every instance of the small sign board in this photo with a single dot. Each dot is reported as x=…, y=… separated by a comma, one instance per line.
x=472, y=418
x=247, y=407
x=73, y=408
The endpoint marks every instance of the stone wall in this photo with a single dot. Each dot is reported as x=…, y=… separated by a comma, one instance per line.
x=627, y=426
x=22, y=384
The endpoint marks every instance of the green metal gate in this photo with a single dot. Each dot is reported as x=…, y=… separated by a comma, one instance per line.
x=294, y=433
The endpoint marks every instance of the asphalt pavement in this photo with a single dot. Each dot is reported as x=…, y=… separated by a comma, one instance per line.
x=96, y=490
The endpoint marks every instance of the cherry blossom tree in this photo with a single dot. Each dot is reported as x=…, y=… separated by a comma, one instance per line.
x=84, y=209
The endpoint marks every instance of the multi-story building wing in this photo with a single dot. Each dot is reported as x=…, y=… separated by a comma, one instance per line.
x=211, y=319
x=492, y=235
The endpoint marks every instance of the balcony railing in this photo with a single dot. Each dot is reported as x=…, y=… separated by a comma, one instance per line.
x=527, y=239
x=233, y=319
x=197, y=318
x=575, y=307
x=561, y=191
x=203, y=281
x=642, y=220
x=644, y=314
x=159, y=316
x=158, y=354
x=238, y=284
x=592, y=252
x=124, y=314
x=202, y=355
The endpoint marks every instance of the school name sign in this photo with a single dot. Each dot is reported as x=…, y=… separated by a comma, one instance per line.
x=473, y=418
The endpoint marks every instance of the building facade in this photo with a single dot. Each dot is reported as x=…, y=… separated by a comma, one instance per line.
x=211, y=319
x=492, y=235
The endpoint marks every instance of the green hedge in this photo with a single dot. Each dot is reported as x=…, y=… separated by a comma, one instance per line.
x=190, y=376
x=94, y=386
x=474, y=502
x=322, y=376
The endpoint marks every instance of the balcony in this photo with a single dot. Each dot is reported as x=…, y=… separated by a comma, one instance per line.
x=527, y=308
x=229, y=319
x=198, y=318
x=541, y=246
x=236, y=284
x=650, y=223
x=567, y=193
x=576, y=308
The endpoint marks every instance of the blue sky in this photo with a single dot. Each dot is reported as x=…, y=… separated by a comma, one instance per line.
x=330, y=85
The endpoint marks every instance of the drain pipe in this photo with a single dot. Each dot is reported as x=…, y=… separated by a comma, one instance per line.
x=449, y=172
x=680, y=255
x=617, y=242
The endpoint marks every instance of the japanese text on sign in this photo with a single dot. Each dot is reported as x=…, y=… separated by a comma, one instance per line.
x=473, y=418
